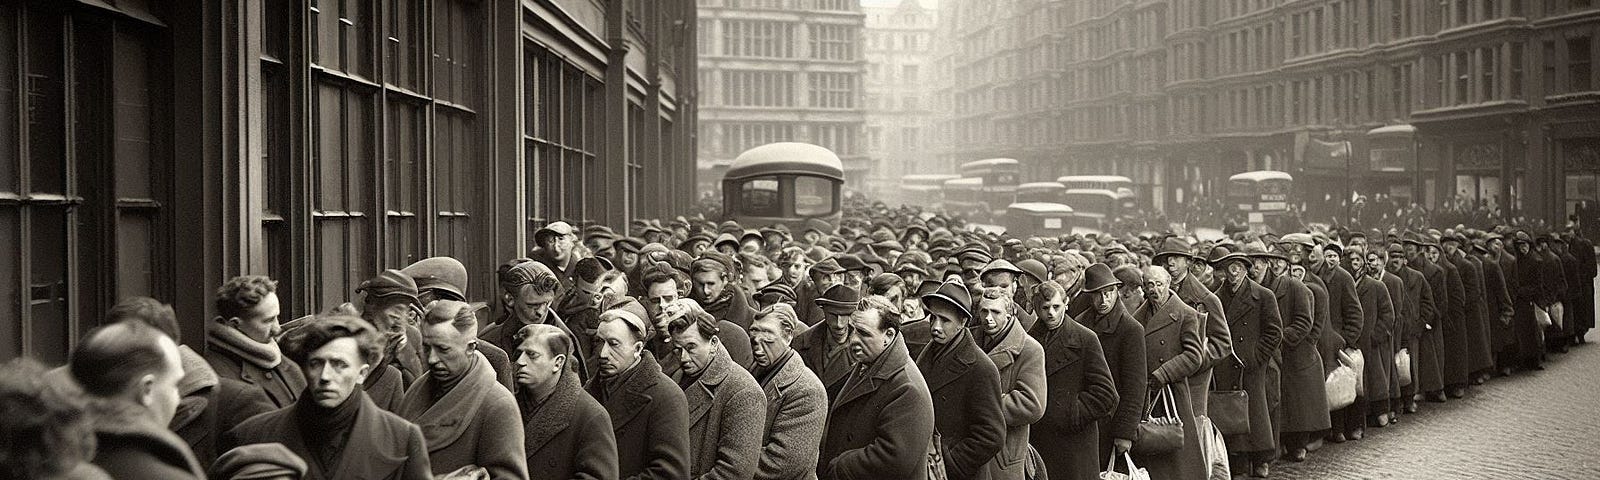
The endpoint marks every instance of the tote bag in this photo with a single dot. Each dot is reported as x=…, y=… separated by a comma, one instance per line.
x=1134, y=472
x=1341, y=387
x=1402, y=366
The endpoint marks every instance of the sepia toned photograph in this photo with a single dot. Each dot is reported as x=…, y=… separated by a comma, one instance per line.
x=799, y=239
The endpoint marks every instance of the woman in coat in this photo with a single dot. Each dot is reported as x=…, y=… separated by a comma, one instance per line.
x=1172, y=354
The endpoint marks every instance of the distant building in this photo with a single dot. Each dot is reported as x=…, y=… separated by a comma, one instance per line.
x=899, y=111
x=1498, y=98
x=159, y=148
x=780, y=70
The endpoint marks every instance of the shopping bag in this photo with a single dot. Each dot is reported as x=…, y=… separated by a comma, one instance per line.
x=1341, y=387
x=1402, y=366
x=1541, y=316
x=1213, y=449
x=1230, y=409
x=1134, y=472
x=1558, y=315
x=936, y=458
x=1160, y=432
x=1357, y=362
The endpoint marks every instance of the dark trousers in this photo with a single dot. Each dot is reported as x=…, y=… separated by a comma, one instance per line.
x=1351, y=418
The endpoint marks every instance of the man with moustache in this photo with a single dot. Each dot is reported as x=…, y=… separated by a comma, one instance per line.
x=1417, y=312
x=1122, y=339
x=567, y=434
x=389, y=303
x=649, y=416
x=1080, y=390
x=1257, y=329
x=825, y=346
x=1020, y=360
x=1172, y=354
x=1175, y=256
x=797, y=403
x=460, y=405
x=882, y=423
x=964, y=384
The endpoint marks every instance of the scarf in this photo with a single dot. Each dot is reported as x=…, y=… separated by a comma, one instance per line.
x=231, y=340
x=326, y=430
x=765, y=374
x=988, y=342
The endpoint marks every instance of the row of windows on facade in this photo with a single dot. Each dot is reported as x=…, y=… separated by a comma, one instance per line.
x=903, y=138
x=897, y=40
x=764, y=88
x=893, y=73
x=893, y=103
x=776, y=39
x=729, y=139
x=803, y=5
x=1380, y=20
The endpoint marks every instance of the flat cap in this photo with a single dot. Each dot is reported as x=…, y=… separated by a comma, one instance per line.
x=439, y=273
x=389, y=282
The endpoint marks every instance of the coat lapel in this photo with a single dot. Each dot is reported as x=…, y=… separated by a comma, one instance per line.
x=702, y=395
x=889, y=363
x=1165, y=316
x=385, y=454
x=553, y=418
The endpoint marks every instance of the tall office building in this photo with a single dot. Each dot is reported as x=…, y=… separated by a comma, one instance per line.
x=899, y=47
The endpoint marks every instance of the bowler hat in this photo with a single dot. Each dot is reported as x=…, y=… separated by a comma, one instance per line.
x=954, y=294
x=389, y=282
x=556, y=228
x=1035, y=269
x=439, y=273
x=1257, y=250
x=839, y=300
x=726, y=238
x=1098, y=277
x=1221, y=254
x=1173, y=246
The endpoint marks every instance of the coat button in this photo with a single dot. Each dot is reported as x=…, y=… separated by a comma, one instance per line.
x=1163, y=342
x=269, y=375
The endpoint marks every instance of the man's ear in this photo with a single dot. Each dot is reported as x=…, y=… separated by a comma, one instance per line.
x=561, y=361
x=366, y=369
x=147, y=390
x=234, y=322
x=472, y=345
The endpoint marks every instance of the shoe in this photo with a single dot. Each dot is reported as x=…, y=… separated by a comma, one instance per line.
x=1380, y=421
x=1262, y=470
x=1505, y=372
x=1358, y=434
x=1298, y=455
x=1458, y=392
x=1411, y=407
x=1337, y=438
x=1314, y=445
x=1436, y=396
x=1478, y=380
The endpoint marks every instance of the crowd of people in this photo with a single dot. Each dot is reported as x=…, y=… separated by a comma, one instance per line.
x=898, y=344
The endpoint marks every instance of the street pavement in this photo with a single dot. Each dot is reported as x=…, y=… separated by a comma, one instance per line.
x=1532, y=425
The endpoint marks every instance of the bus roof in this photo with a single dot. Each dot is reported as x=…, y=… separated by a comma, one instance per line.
x=964, y=182
x=1041, y=207
x=991, y=162
x=933, y=178
x=920, y=188
x=1091, y=191
x=1260, y=175
x=1393, y=130
x=787, y=157
x=1041, y=186
x=1094, y=178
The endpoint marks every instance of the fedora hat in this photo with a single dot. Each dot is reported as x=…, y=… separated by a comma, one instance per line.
x=1173, y=246
x=839, y=300
x=1099, y=277
x=954, y=294
x=1221, y=254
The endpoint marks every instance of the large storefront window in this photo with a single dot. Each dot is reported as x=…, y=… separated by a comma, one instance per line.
x=1581, y=164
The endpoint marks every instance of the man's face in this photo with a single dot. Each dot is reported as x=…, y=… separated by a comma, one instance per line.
x=728, y=249
x=1297, y=253
x=838, y=325
x=944, y=323
x=447, y=350
x=615, y=348
x=768, y=340
x=530, y=306
x=1279, y=266
x=867, y=341
x=1433, y=254
x=1177, y=265
x=1396, y=262
x=1375, y=265
x=1156, y=289
x=536, y=365
x=970, y=270
x=627, y=260
x=1497, y=246
x=911, y=278
x=1331, y=257
x=694, y=351
x=1236, y=273
x=562, y=245
x=260, y=323
x=1259, y=273
x=1104, y=299
x=854, y=279
x=163, y=396
x=797, y=270
x=754, y=276
x=1001, y=280
x=1130, y=296
x=1358, y=241
x=1054, y=310
x=658, y=295
x=335, y=371
x=995, y=314
x=1297, y=271
x=710, y=284
x=911, y=308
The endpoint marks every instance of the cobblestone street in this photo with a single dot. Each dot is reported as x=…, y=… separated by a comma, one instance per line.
x=1540, y=425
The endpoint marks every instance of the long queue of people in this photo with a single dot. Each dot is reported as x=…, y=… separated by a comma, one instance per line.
x=898, y=345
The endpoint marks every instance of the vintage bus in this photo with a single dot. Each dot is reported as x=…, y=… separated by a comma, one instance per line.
x=1127, y=197
x=1095, y=206
x=999, y=181
x=923, y=189
x=785, y=183
x=1043, y=219
x=963, y=195
x=1040, y=192
x=1263, y=196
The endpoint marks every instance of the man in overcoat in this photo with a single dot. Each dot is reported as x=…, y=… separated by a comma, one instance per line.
x=1417, y=313
x=1172, y=354
x=1479, y=358
x=1023, y=396
x=882, y=423
x=1257, y=329
x=1303, y=402
x=1122, y=339
x=964, y=385
x=1456, y=357
x=566, y=433
x=459, y=405
x=649, y=415
x=726, y=407
x=1176, y=255
x=240, y=341
x=1080, y=389
x=528, y=290
x=797, y=403
x=333, y=426
x=825, y=346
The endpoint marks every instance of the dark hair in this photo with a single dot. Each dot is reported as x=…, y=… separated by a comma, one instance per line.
x=298, y=343
x=787, y=318
x=589, y=269
x=704, y=324
x=242, y=293
x=112, y=357
x=1050, y=289
x=148, y=310
x=657, y=275
x=47, y=431
x=888, y=314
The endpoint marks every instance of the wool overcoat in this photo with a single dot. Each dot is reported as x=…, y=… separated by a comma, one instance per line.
x=1081, y=393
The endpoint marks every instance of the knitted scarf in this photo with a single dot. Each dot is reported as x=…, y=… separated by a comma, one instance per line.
x=231, y=340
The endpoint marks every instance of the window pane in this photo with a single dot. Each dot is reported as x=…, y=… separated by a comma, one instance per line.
x=813, y=196
x=759, y=198
x=47, y=287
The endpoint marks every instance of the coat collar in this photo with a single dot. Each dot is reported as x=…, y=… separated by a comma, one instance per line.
x=942, y=368
x=555, y=415
x=1163, y=316
x=1103, y=324
x=1242, y=304
x=445, y=420
x=1010, y=346
x=888, y=364
x=633, y=395
x=1063, y=347
x=132, y=426
x=703, y=392
x=378, y=453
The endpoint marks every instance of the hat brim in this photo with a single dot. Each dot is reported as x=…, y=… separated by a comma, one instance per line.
x=945, y=299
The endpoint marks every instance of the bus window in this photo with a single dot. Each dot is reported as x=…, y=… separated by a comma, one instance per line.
x=759, y=197
x=813, y=196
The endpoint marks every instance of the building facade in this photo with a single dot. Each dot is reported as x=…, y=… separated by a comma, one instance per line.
x=899, y=39
x=160, y=148
x=1499, y=96
x=780, y=71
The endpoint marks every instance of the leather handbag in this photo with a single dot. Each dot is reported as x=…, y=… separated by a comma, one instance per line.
x=1230, y=409
x=1402, y=366
x=1160, y=432
x=936, y=458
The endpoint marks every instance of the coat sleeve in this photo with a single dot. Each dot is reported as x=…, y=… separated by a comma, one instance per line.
x=417, y=466
x=1386, y=319
x=1350, y=314
x=1098, y=397
x=739, y=438
x=1271, y=332
x=668, y=451
x=1297, y=326
x=986, y=432
x=500, y=448
x=1219, y=340
x=900, y=440
x=1024, y=404
x=1494, y=282
x=1427, y=311
x=793, y=445
x=1130, y=376
x=596, y=452
x=1189, y=359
